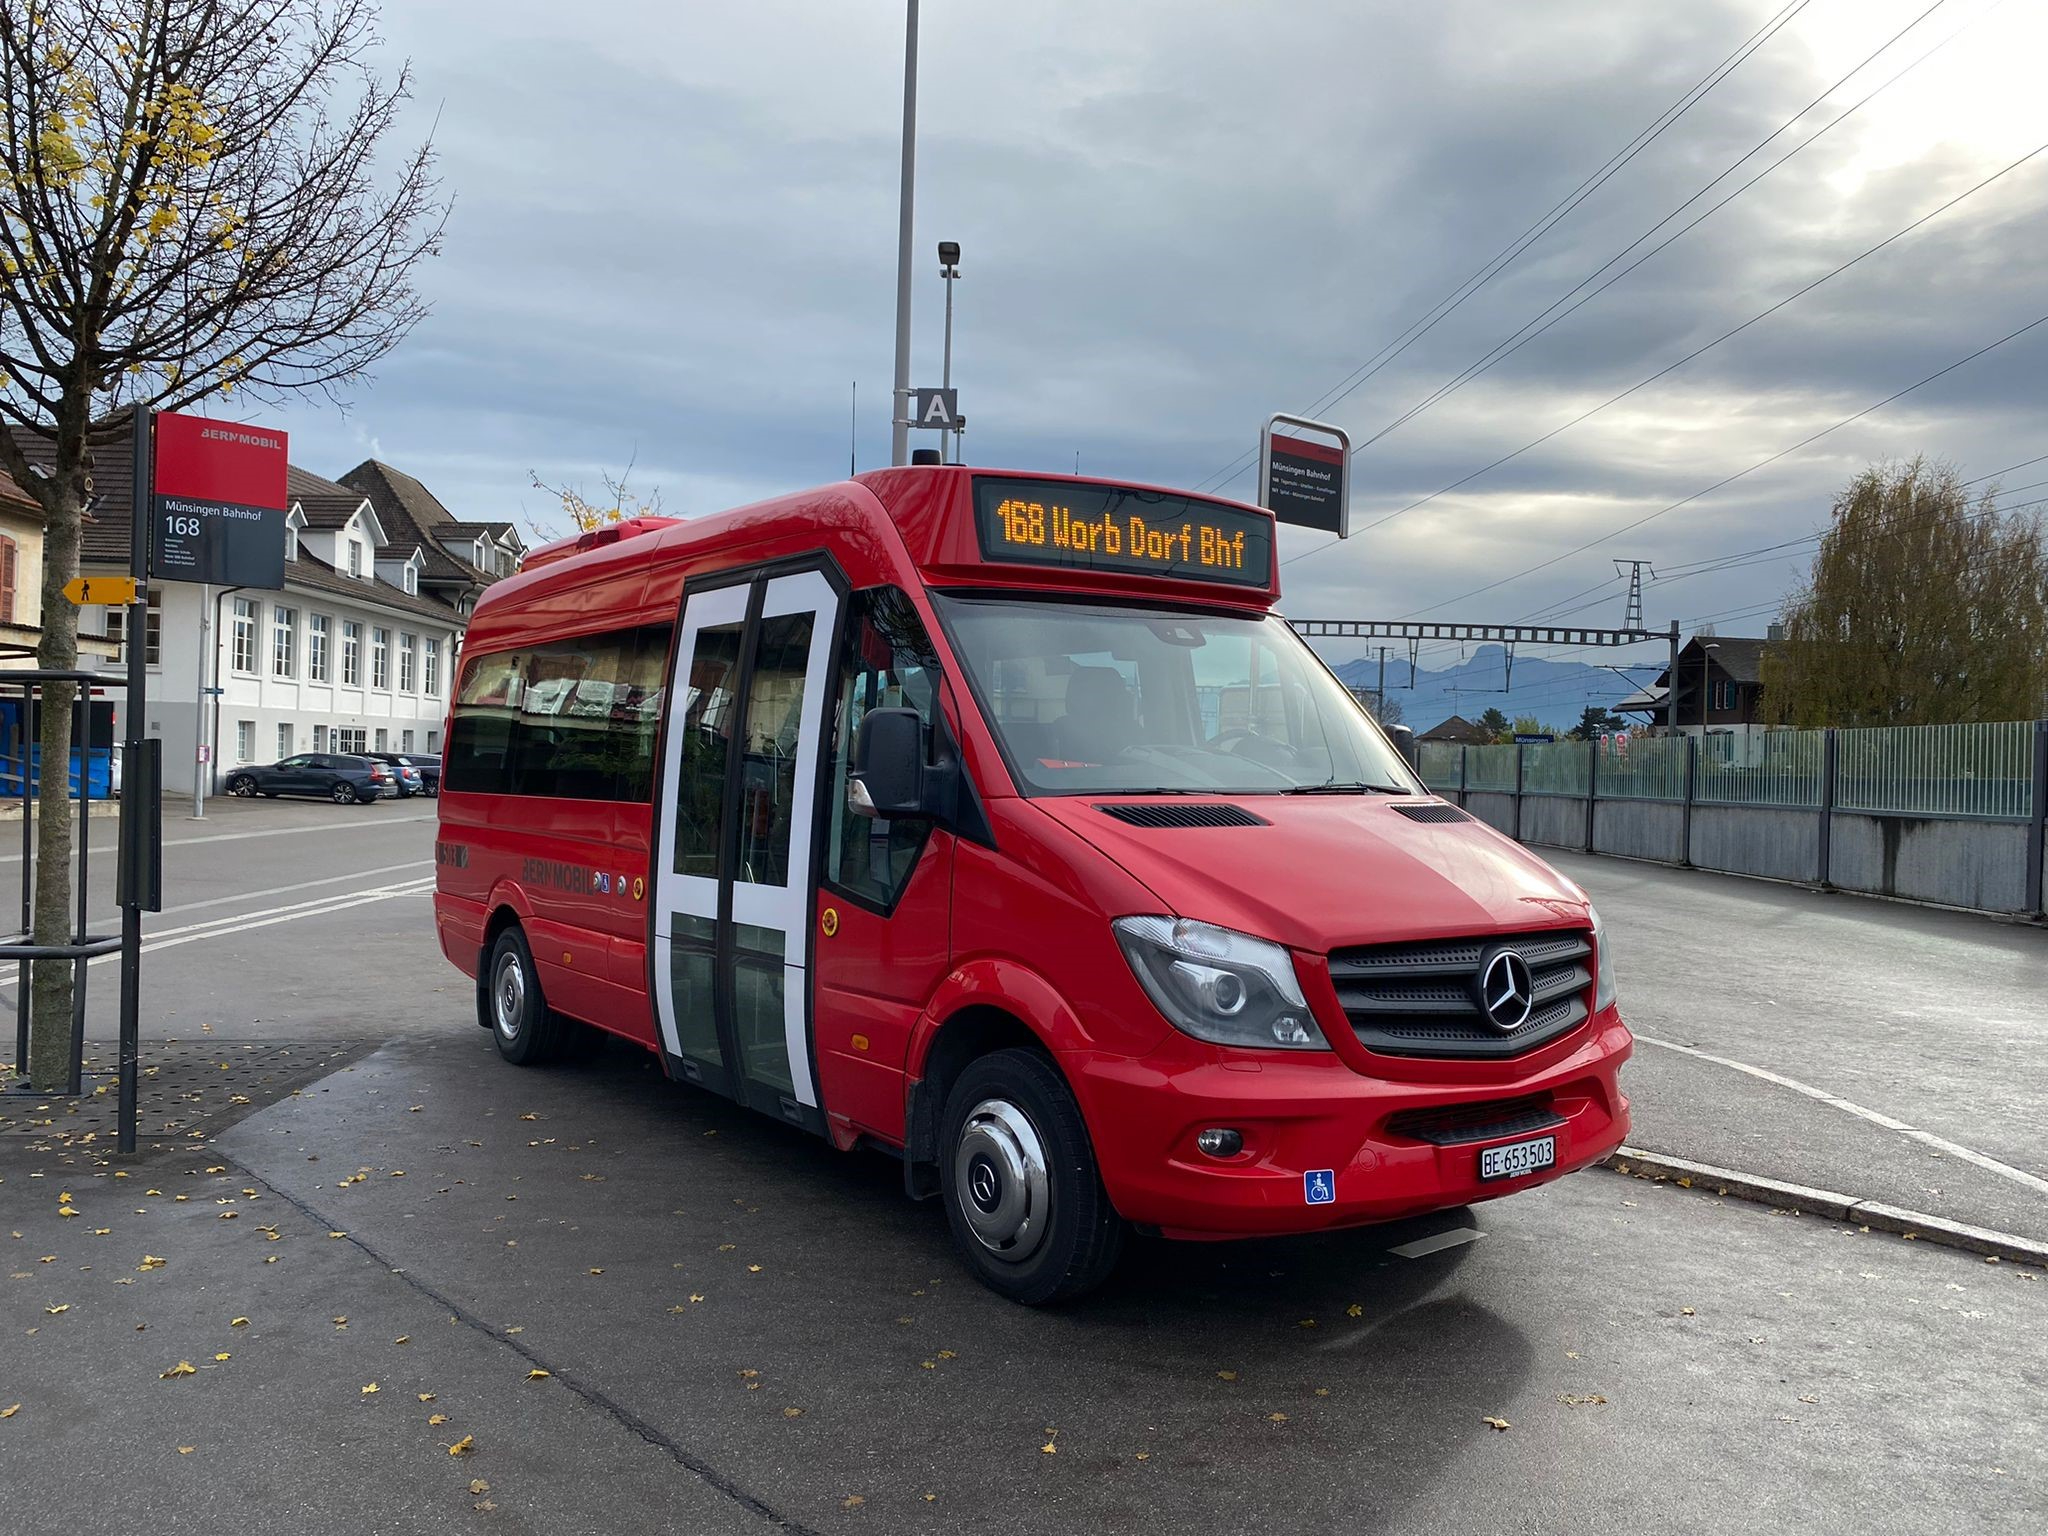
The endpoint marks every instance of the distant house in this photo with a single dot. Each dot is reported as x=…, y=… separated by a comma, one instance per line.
x=21, y=573
x=1720, y=687
x=1457, y=729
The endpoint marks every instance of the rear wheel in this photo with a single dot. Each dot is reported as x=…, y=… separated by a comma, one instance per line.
x=343, y=792
x=1022, y=1193
x=528, y=1032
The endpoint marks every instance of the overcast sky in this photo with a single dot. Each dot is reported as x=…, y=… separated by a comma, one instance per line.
x=674, y=231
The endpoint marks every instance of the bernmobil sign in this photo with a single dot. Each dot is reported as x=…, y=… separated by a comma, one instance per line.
x=218, y=503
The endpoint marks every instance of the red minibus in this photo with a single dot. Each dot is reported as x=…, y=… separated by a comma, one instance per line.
x=997, y=821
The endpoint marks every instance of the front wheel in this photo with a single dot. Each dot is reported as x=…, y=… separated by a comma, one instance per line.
x=243, y=787
x=1022, y=1193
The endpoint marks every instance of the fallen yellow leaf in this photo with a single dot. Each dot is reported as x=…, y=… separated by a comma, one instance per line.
x=182, y=1368
x=852, y=1500
x=792, y=1413
x=187, y=1450
x=597, y=1271
x=1277, y=1418
x=403, y=1338
x=10, y=1412
x=478, y=1485
x=61, y=1307
x=437, y=1418
x=538, y=1375
x=463, y=1447
x=1227, y=1375
x=1049, y=1449
x=149, y=1261
x=1498, y=1423
x=238, y=1322
x=1354, y=1310
x=369, y=1389
x=222, y=1355
x=426, y=1397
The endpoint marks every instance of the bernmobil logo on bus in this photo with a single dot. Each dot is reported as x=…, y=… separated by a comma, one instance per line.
x=998, y=821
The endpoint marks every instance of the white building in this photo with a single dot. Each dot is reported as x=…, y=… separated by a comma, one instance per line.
x=356, y=652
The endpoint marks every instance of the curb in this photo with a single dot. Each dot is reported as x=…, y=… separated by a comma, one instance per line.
x=1832, y=1204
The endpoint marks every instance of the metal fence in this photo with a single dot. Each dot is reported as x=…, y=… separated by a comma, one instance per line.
x=1956, y=814
x=1984, y=770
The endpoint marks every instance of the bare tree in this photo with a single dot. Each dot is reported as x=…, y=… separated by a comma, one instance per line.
x=193, y=202
x=1923, y=608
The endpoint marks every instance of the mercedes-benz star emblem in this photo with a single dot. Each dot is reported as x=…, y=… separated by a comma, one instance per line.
x=983, y=1182
x=1507, y=991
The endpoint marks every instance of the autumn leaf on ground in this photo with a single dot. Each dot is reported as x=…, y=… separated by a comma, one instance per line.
x=1493, y=1423
x=372, y=1387
x=1306, y=1322
x=238, y=1322
x=478, y=1485
x=792, y=1413
x=187, y=1450
x=1049, y=1449
x=1354, y=1310
x=150, y=1261
x=1227, y=1375
x=1580, y=1399
x=437, y=1418
x=223, y=1355
x=182, y=1368
x=10, y=1412
x=61, y=1307
x=1687, y=1312
x=536, y=1374
x=852, y=1500
x=426, y=1397
x=1276, y=1418
x=463, y=1447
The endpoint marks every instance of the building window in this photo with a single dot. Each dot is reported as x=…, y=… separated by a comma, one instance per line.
x=243, y=654
x=349, y=739
x=284, y=640
x=8, y=554
x=316, y=649
x=383, y=739
x=152, y=634
x=412, y=580
x=245, y=741
x=380, y=658
x=406, y=645
x=405, y=741
x=433, y=741
x=291, y=542
x=355, y=558
x=319, y=738
x=351, y=654
x=284, y=741
x=430, y=671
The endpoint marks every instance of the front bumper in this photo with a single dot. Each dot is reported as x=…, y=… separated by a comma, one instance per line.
x=1303, y=1113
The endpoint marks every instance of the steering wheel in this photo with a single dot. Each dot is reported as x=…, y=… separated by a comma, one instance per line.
x=1243, y=733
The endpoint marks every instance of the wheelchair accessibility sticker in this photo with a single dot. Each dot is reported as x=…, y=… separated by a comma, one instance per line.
x=1319, y=1186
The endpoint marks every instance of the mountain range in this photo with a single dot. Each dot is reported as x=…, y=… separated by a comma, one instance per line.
x=1554, y=692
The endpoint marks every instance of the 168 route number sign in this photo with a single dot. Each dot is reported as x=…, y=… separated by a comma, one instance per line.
x=217, y=503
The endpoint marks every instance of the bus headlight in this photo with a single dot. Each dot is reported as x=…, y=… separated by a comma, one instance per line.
x=1603, y=964
x=1224, y=987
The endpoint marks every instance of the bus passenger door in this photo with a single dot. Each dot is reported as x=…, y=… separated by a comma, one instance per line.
x=736, y=809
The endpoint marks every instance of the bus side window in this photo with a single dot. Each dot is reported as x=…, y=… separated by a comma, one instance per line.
x=888, y=663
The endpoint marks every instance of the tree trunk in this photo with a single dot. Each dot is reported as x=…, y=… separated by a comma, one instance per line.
x=49, y=1055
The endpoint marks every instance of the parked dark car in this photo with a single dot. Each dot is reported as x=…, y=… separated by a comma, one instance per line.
x=346, y=780
x=430, y=770
x=410, y=780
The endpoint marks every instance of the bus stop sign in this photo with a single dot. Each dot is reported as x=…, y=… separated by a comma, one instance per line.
x=218, y=503
x=1305, y=480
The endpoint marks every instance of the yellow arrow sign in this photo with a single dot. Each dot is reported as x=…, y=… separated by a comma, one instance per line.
x=111, y=590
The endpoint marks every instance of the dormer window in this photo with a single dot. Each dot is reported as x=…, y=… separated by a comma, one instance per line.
x=479, y=562
x=355, y=557
x=412, y=581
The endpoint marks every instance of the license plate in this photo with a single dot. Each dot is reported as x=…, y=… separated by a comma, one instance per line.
x=1518, y=1158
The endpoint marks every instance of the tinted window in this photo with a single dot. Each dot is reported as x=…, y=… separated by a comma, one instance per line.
x=775, y=703
x=571, y=719
x=706, y=729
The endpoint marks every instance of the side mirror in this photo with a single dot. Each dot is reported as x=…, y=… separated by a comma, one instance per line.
x=888, y=777
x=1404, y=743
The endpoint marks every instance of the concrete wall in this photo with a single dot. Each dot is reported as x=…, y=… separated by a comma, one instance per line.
x=1556, y=821
x=1757, y=840
x=1639, y=829
x=1978, y=864
x=1497, y=811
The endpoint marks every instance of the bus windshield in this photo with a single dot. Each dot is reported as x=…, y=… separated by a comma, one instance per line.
x=1095, y=699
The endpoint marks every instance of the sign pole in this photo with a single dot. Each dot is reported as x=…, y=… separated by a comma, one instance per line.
x=199, y=764
x=135, y=783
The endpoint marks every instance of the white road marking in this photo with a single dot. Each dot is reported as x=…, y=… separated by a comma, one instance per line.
x=221, y=927
x=1456, y=1237
x=1875, y=1117
x=236, y=837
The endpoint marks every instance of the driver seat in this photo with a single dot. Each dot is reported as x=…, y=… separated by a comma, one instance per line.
x=1100, y=721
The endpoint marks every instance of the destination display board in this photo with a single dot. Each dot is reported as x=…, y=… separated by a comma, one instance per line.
x=1122, y=529
x=218, y=503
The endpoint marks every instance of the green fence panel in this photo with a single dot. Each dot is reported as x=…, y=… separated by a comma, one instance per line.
x=1984, y=769
x=1554, y=768
x=1642, y=768
x=1437, y=762
x=1781, y=768
x=1490, y=768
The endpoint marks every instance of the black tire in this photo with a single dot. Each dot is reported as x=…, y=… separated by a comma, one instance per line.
x=529, y=1032
x=344, y=793
x=242, y=787
x=1018, y=1178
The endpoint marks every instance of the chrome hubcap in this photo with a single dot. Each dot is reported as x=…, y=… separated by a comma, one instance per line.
x=1000, y=1181
x=508, y=995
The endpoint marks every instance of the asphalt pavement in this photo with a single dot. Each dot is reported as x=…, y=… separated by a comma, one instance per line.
x=735, y=1327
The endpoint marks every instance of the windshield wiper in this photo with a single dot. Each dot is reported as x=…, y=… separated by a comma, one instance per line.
x=1347, y=789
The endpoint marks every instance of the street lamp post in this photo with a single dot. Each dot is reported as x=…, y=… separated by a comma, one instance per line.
x=899, y=400
x=949, y=267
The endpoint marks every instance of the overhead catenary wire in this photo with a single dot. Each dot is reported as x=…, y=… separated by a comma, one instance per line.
x=1514, y=249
